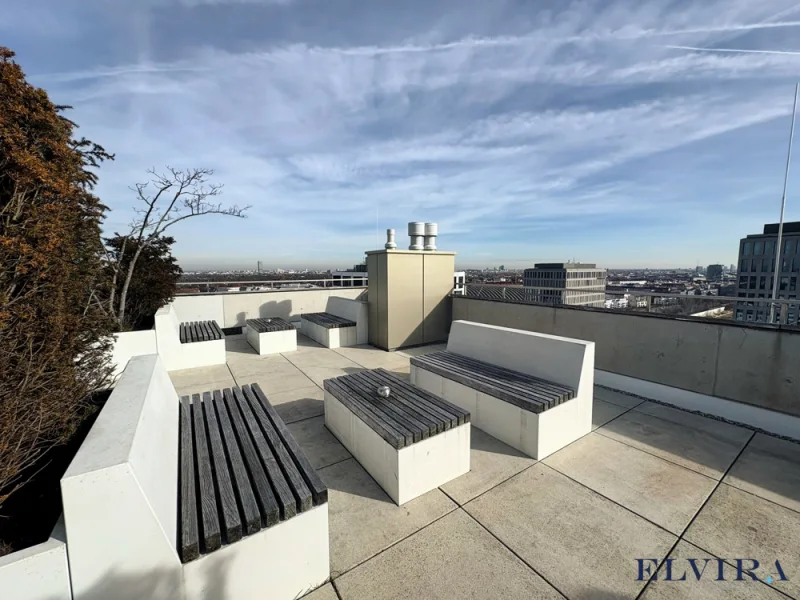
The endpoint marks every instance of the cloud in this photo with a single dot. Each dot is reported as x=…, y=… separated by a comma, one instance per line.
x=542, y=116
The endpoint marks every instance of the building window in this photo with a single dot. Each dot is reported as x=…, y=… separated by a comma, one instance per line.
x=784, y=283
x=769, y=247
x=743, y=265
x=754, y=265
x=793, y=284
x=788, y=247
x=743, y=281
x=753, y=282
x=762, y=282
x=785, y=263
x=758, y=248
x=767, y=265
x=747, y=248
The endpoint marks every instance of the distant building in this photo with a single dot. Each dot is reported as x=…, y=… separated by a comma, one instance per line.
x=459, y=282
x=565, y=283
x=356, y=277
x=757, y=253
x=714, y=272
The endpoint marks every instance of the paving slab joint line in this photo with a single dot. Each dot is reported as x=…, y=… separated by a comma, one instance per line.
x=592, y=490
x=696, y=514
x=702, y=414
x=393, y=544
x=522, y=560
x=597, y=431
x=335, y=589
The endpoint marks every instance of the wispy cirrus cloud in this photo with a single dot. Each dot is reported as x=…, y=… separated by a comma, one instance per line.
x=599, y=114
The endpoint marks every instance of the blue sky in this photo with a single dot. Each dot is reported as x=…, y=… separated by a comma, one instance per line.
x=529, y=131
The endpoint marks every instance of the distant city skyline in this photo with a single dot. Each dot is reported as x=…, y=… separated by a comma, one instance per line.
x=528, y=131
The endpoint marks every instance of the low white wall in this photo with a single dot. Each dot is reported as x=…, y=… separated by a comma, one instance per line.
x=131, y=343
x=120, y=493
x=288, y=304
x=39, y=572
x=353, y=310
x=200, y=308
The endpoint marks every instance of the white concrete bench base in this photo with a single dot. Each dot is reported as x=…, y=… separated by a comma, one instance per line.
x=282, y=562
x=408, y=472
x=272, y=342
x=330, y=338
x=537, y=435
x=177, y=356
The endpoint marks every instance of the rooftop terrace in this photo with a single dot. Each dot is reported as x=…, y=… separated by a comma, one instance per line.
x=649, y=482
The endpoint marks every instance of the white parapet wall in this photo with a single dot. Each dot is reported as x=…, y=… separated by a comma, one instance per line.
x=128, y=344
x=282, y=562
x=120, y=493
x=178, y=356
x=406, y=473
x=561, y=360
x=37, y=573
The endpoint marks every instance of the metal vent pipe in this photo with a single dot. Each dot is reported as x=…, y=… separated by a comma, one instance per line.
x=416, y=231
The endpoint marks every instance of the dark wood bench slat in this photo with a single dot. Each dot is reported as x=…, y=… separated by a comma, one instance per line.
x=217, y=331
x=391, y=436
x=182, y=333
x=382, y=409
x=189, y=544
x=209, y=519
x=319, y=491
x=280, y=488
x=296, y=484
x=477, y=381
x=447, y=409
x=552, y=392
x=199, y=331
x=270, y=511
x=272, y=324
x=400, y=399
x=229, y=511
x=476, y=378
x=538, y=383
x=327, y=320
x=421, y=400
x=243, y=488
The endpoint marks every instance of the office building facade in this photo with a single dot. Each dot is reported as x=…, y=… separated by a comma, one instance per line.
x=575, y=284
x=757, y=253
x=714, y=272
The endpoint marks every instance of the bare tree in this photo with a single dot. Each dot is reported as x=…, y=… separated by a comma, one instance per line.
x=168, y=198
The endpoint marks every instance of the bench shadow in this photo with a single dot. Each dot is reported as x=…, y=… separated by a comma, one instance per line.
x=274, y=308
x=153, y=584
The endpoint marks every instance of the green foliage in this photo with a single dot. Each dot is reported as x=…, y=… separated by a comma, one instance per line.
x=154, y=279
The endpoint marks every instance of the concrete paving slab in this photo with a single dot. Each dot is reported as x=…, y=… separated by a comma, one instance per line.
x=583, y=544
x=300, y=403
x=769, y=467
x=697, y=443
x=326, y=592
x=306, y=344
x=319, y=374
x=616, y=397
x=364, y=520
x=373, y=358
x=453, y=558
x=603, y=412
x=737, y=524
x=206, y=386
x=200, y=375
x=491, y=463
x=682, y=582
x=273, y=366
x=661, y=491
x=320, y=445
x=420, y=350
x=324, y=357
x=274, y=383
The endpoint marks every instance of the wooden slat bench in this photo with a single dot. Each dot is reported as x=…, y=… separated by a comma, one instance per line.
x=200, y=331
x=410, y=442
x=271, y=335
x=529, y=390
x=530, y=393
x=240, y=470
x=328, y=329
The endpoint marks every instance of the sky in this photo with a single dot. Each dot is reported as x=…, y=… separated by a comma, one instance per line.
x=529, y=131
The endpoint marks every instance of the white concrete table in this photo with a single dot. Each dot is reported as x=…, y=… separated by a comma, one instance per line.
x=271, y=335
x=411, y=441
x=329, y=330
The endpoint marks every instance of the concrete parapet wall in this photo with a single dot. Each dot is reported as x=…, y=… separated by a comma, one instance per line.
x=37, y=573
x=741, y=362
x=232, y=310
